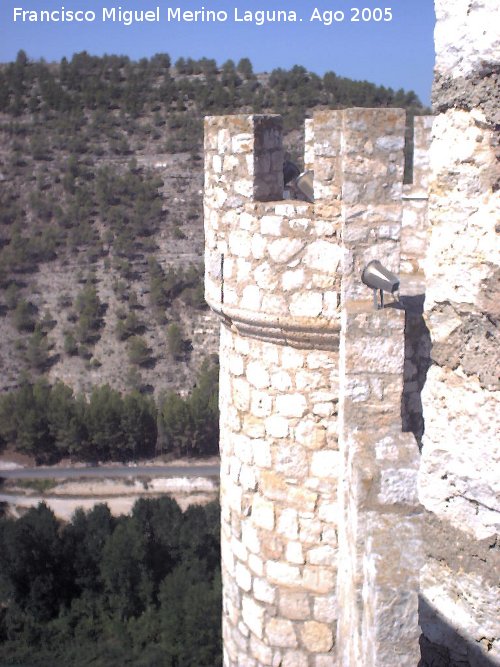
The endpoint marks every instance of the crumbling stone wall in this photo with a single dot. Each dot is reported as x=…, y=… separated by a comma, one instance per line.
x=459, y=478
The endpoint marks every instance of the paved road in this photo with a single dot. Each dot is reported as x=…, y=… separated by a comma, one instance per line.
x=112, y=471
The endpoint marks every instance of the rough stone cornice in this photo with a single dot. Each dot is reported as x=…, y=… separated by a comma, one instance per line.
x=304, y=332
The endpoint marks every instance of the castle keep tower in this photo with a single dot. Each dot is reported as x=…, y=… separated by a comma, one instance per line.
x=318, y=482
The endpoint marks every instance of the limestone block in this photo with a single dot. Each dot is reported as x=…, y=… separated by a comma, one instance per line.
x=328, y=512
x=247, y=478
x=251, y=297
x=376, y=355
x=325, y=608
x=284, y=210
x=261, y=651
x=323, y=256
x=240, y=243
x=243, y=577
x=258, y=375
x=302, y=498
x=301, y=224
x=317, y=637
x=280, y=632
x=291, y=460
x=241, y=345
x=252, y=426
x=318, y=579
x=292, y=280
x=239, y=549
x=265, y=277
x=223, y=141
x=306, y=304
x=291, y=359
x=310, y=434
x=256, y=565
x=227, y=557
x=324, y=228
x=295, y=659
x=247, y=221
x=263, y=513
x=323, y=409
x=294, y=605
x=236, y=365
x=272, y=547
x=320, y=360
x=270, y=354
x=277, y=426
x=274, y=304
x=233, y=494
x=243, y=448
x=262, y=453
x=271, y=225
x=323, y=555
x=261, y=405
x=241, y=394
x=325, y=463
x=306, y=379
x=288, y=524
x=291, y=405
x=273, y=485
x=234, y=469
x=390, y=143
x=294, y=553
x=281, y=381
x=242, y=143
x=243, y=269
x=283, y=574
x=283, y=250
x=331, y=301
x=250, y=537
x=263, y=591
x=253, y=615
x=310, y=528
x=258, y=246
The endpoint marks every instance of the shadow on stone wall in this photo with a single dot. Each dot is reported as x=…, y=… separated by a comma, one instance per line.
x=417, y=361
x=441, y=645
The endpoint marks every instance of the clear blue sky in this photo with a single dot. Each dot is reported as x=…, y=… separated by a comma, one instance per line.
x=398, y=53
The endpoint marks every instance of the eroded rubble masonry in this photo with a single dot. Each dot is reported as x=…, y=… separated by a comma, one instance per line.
x=459, y=475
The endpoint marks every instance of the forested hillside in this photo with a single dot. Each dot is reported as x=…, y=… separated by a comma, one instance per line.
x=101, y=233
x=137, y=590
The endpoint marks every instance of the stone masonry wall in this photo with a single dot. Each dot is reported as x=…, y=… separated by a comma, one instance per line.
x=459, y=480
x=377, y=586
x=415, y=200
x=276, y=273
x=279, y=468
x=380, y=522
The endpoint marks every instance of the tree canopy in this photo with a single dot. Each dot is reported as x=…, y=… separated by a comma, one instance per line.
x=136, y=590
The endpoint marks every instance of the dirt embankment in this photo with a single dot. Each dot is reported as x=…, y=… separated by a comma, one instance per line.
x=64, y=496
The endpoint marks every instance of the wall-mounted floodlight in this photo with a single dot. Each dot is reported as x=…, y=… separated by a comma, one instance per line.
x=305, y=184
x=376, y=276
